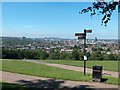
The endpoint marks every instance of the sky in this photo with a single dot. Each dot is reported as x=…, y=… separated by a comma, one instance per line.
x=54, y=19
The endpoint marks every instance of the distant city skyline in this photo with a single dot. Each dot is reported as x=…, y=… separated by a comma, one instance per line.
x=54, y=19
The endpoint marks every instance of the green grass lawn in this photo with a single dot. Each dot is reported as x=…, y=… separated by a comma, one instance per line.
x=107, y=65
x=29, y=68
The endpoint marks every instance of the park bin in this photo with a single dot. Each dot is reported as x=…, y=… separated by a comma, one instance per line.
x=97, y=73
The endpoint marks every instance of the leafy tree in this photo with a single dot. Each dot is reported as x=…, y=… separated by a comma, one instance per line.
x=88, y=55
x=93, y=55
x=109, y=57
x=108, y=49
x=81, y=54
x=54, y=55
x=11, y=54
x=31, y=54
x=118, y=57
x=75, y=54
x=68, y=56
x=63, y=55
x=104, y=8
x=43, y=55
x=96, y=55
x=94, y=49
x=76, y=47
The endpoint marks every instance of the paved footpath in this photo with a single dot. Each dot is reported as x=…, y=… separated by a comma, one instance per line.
x=40, y=82
x=75, y=68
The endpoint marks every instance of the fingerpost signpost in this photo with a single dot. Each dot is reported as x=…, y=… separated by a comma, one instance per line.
x=83, y=36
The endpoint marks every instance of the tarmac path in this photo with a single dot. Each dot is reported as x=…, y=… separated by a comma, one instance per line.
x=40, y=82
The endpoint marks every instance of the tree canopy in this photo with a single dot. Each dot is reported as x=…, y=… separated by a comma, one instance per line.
x=102, y=8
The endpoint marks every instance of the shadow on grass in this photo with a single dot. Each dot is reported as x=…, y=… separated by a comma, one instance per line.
x=50, y=84
x=104, y=79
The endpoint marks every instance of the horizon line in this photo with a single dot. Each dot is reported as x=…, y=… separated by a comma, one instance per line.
x=53, y=37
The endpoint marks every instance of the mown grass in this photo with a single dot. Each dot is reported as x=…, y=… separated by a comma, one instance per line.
x=107, y=65
x=29, y=68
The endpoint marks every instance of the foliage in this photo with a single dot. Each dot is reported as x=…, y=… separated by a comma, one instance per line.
x=56, y=55
x=96, y=55
x=109, y=57
x=81, y=55
x=68, y=56
x=43, y=55
x=63, y=55
x=19, y=54
x=75, y=55
x=104, y=8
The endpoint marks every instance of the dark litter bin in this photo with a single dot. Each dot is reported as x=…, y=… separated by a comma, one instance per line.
x=97, y=73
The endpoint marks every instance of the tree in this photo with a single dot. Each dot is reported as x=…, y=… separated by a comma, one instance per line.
x=104, y=8
x=43, y=55
x=54, y=55
x=75, y=54
x=76, y=47
x=96, y=55
x=30, y=54
x=63, y=55
x=109, y=57
x=118, y=57
x=68, y=56
x=81, y=54
x=88, y=55
x=11, y=54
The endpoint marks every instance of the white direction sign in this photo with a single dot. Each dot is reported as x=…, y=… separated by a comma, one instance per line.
x=85, y=57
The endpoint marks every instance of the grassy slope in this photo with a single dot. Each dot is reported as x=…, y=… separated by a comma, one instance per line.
x=29, y=68
x=107, y=65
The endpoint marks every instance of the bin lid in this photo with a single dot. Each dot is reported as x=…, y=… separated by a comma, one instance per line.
x=97, y=67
